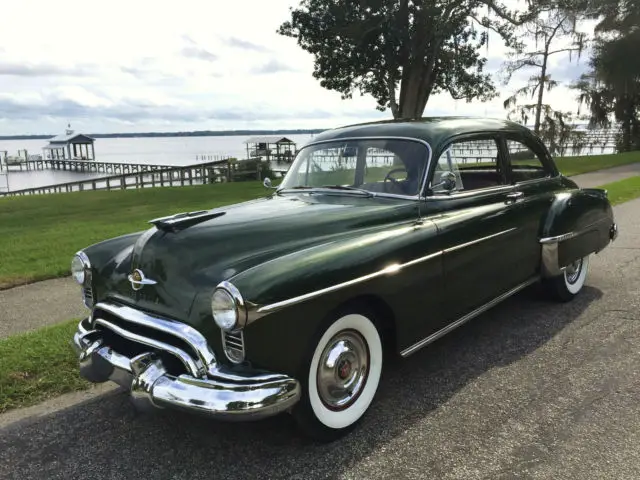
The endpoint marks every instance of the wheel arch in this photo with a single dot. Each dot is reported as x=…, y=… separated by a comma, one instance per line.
x=384, y=317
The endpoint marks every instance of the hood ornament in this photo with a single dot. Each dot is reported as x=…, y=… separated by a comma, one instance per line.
x=138, y=280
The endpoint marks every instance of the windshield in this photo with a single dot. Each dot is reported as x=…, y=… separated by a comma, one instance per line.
x=374, y=166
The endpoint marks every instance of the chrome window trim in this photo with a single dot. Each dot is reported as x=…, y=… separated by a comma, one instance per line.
x=188, y=334
x=383, y=137
x=195, y=369
x=391, y=269
x=471, y=193
x=537, y=180
x=462, y=320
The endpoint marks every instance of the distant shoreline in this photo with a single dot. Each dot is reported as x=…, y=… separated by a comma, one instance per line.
x=200, y=133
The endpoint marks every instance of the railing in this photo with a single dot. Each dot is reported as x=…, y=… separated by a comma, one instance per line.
x=87, y=166
x=204, y=173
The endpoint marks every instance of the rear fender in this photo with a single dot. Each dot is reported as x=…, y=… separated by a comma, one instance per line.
x=579, y=223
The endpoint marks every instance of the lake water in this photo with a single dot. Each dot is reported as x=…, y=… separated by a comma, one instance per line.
x=150, y=150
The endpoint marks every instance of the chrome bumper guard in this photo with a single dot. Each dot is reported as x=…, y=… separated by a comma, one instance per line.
x=613, y=232
x=220, y=393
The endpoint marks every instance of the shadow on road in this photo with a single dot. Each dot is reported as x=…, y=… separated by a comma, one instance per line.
x=106, y=438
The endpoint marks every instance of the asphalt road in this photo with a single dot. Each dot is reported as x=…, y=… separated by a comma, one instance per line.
x=531, y=389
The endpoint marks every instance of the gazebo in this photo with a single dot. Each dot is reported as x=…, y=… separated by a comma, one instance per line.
x=271, y=148
x=70, y=146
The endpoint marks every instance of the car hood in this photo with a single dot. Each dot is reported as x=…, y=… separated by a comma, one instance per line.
x=228, y=240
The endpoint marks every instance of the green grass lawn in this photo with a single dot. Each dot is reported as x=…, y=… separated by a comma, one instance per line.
x=623, y=190
x=570, y=166
x=38, y=365
x=40, y=233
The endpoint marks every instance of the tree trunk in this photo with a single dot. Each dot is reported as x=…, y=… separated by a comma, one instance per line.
x=411, y=93
x=626, y=134
x=543, y=75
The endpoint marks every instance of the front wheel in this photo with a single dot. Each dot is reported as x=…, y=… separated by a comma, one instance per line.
x=566, y=286
x=342, y=377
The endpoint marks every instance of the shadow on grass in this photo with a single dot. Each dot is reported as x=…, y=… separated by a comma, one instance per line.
x=107, y=438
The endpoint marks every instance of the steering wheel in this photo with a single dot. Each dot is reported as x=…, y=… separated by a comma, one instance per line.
x=394, y=181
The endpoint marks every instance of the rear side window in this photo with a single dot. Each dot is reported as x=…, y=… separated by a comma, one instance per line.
x=525, y=163
x=475, y=163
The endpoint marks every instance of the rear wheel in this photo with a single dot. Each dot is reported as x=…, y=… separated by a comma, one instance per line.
x=341, y=377
x=566, y=286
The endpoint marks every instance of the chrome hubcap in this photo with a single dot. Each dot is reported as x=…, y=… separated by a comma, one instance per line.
x=343, y=370
x=572, y=273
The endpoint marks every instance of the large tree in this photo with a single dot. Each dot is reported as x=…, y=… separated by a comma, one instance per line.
x=551, y=33
x=612, y=88
x=402, y=51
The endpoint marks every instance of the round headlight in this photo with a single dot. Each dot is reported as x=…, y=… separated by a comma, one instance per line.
x=78, y=269
x=224, y=309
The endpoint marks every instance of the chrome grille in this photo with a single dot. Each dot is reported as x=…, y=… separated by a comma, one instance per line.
x=233, y=344
x=87, y=296
x=176, y=338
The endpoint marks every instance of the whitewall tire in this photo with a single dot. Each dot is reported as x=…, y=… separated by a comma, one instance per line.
x=342, y=376
x=570, y=283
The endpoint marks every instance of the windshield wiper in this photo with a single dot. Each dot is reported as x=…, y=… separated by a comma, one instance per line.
x=327, y=187
x=352, y=189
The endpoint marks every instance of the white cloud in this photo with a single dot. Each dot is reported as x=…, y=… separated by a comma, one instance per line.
x=199, y=64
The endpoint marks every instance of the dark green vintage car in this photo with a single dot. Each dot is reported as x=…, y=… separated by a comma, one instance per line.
x=287, y=303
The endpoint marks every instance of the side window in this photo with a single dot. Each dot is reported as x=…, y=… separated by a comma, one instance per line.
x=525, y=163
x=475, y=164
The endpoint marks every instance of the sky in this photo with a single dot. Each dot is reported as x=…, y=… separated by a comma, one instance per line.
x=140, y=65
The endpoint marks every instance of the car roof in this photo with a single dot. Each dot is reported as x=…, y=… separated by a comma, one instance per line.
x=433, y=130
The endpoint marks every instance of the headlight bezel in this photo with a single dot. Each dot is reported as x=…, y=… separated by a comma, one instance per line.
x=236, y=300
x=84, y=262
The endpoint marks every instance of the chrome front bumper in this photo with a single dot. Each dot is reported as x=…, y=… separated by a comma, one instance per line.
x=221, y=392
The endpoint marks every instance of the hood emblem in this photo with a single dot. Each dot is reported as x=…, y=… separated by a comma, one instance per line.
x=138, y=280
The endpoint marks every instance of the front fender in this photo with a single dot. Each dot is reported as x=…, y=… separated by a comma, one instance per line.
x=290, y=296
x=580, y=222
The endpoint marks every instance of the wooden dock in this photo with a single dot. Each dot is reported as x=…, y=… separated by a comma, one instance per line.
x=145, y=177
x=219, y=171
x=84, y=166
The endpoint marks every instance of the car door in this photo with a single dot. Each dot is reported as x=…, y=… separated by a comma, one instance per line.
x=531, y=171
x=479, y=231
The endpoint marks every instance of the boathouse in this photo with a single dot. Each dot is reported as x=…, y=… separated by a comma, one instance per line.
x=70, y=146
x=271, y=148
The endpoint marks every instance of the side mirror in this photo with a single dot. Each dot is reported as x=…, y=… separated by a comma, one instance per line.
x=447, y=181
x=267, y=182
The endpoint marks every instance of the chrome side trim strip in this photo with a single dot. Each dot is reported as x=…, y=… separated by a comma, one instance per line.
x=188, y=334
x=468, y=244
x=461, y=321
x=393, y=268
x=194, y=369
x=385, y=271
x=559, y=238
x=570, y=235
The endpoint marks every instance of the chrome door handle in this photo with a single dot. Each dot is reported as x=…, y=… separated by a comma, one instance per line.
x=513, y=196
